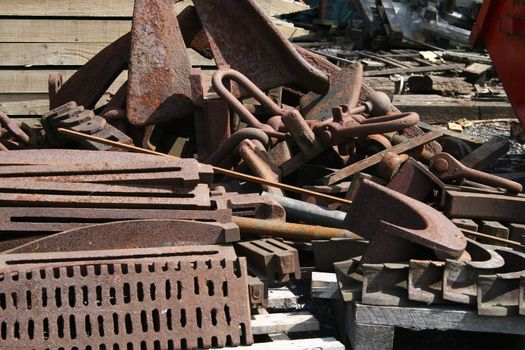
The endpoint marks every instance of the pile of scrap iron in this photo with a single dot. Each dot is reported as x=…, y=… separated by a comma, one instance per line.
x=102, y=246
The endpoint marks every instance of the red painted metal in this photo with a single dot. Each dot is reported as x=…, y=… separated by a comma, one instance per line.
x=500, y=27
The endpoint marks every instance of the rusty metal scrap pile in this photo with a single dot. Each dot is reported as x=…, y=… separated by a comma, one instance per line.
x=157, y=252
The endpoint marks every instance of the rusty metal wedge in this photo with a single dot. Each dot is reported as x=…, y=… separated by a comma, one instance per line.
x=159, y=86
x=403, y=217
x=241, y=36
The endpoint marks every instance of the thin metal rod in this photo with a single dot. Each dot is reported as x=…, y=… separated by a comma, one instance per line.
x=489, y=237
x=218, y=170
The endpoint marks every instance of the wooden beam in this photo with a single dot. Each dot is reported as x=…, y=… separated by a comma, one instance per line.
x=65, y=54
x=438, y=109
x=296, y=344
x=284, y=322
x=62, y=31
x=410, y=70
x=35, y=81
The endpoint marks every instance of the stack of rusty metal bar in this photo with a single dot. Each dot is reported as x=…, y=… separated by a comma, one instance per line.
x=179, y=249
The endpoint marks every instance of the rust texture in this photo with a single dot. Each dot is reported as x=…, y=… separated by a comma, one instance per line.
x=183, y=297
x=159, y=73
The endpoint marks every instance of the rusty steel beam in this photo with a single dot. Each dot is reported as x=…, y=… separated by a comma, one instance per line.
x=249, y=205
x=241, y=36
x=45, y=220
x=385, y=284
x=425, y=281
x=133, y=234
x=171, y=297
x=350, y=279
x=159, y=86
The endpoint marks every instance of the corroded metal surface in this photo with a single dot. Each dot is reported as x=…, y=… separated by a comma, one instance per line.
x=425, y=281
x=52, y=219
x=159, y=71
x=403, y=217
x=183, y=297
x=133, y=234
x=385, y=284
x=241, y=36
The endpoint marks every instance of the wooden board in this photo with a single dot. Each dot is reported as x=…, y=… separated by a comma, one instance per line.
x=284, y=322
x=65, y=54
x=35, y=81
x=62, y=30
x=296, y=344
x=439, y=109
x=114, y=8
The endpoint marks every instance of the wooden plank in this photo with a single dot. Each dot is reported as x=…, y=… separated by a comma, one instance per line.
x=284, y=322
x=281, y=298
x=324, y=285
x=35, y=81
x=409, y=70
x=471, y=140
x=437, y=317
x=62, y=31
x=438, y=109
x=296, y=344
x=114, y=8
x=76, y=8
x=65, y=54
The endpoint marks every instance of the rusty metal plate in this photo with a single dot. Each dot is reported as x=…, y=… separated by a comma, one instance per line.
x=133, y=234
x=270, y=60
x=403, y=217
x=171, y=298
x=460, y=276
x=159, y=70
x=179, y=198
x=181, y=172
x=91, y=81
x=345, y=89
x=53, y=220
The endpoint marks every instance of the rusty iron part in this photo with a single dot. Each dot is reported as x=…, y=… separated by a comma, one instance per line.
x=171, y=297
x=374, y=143
x=212, y=117
x=354, y=168
x=54, y=83
x=71, y=156
x=231, y=74
x=389, y=166
x=328, y=252
x=403, y=217
x=78, y=119
x=47, y=220
x=460, y=276
x=91, y=81
x=308, y=213
x=425, y=281
x=498, y=293
x=159, y=87
x=133, y=234
x=17, y=135
x=349, y=279
x=385, y=284
x=258, y=292
x=447, y=168
x=487, y=206
x=270, y=60
x=227, y=147
x=60, y=194
x=346, y=125
x=193, y=33
x=115, y=109
x=345, y=89
x=255, y=157
x=249, y=205
x=182, y=172
x=277, y=261
x=288, y=230
x=415, y=181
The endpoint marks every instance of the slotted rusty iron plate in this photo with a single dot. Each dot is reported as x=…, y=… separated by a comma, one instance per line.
x=169, y=298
